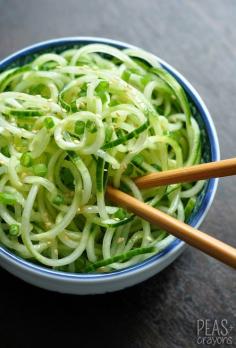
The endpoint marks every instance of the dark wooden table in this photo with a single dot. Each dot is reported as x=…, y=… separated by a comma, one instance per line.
x=199, y=39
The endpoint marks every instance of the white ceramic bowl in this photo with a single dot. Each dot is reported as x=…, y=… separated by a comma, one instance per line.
x=101, y=283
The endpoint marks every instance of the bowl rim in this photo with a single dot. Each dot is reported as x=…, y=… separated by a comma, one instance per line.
x=176, y=245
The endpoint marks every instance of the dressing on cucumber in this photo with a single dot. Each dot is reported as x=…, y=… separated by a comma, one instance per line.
x=71, y=123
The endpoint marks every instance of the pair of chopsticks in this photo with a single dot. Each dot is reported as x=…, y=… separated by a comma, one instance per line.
x=200, y=240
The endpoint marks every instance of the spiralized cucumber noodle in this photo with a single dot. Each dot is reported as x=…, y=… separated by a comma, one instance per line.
x=71, y=123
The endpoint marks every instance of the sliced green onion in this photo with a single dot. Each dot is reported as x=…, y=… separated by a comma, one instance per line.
x=102, y=87
x=79, y=127
x=91, y=127
x=14, y=230
x=146, y=78
x=48, y=122
x=126, y=75
x=7, y=198
x=58, y=200
x=40, y=169
x=120, y=214
x=113, y=102
x=26, y=159
x=5, y=151
x=73, y=106
x=83, y=90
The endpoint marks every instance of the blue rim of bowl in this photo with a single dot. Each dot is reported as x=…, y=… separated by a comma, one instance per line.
x=211, y=187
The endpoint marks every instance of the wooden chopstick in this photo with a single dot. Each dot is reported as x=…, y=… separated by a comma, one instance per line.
x=187, y=174
x=179, y=229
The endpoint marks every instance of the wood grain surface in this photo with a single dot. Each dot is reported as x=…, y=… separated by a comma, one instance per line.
x=198, y=37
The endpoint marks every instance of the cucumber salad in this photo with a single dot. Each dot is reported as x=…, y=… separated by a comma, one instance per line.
x=73, y=122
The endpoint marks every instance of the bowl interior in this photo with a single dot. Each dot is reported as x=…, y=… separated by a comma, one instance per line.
x=209, y=142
